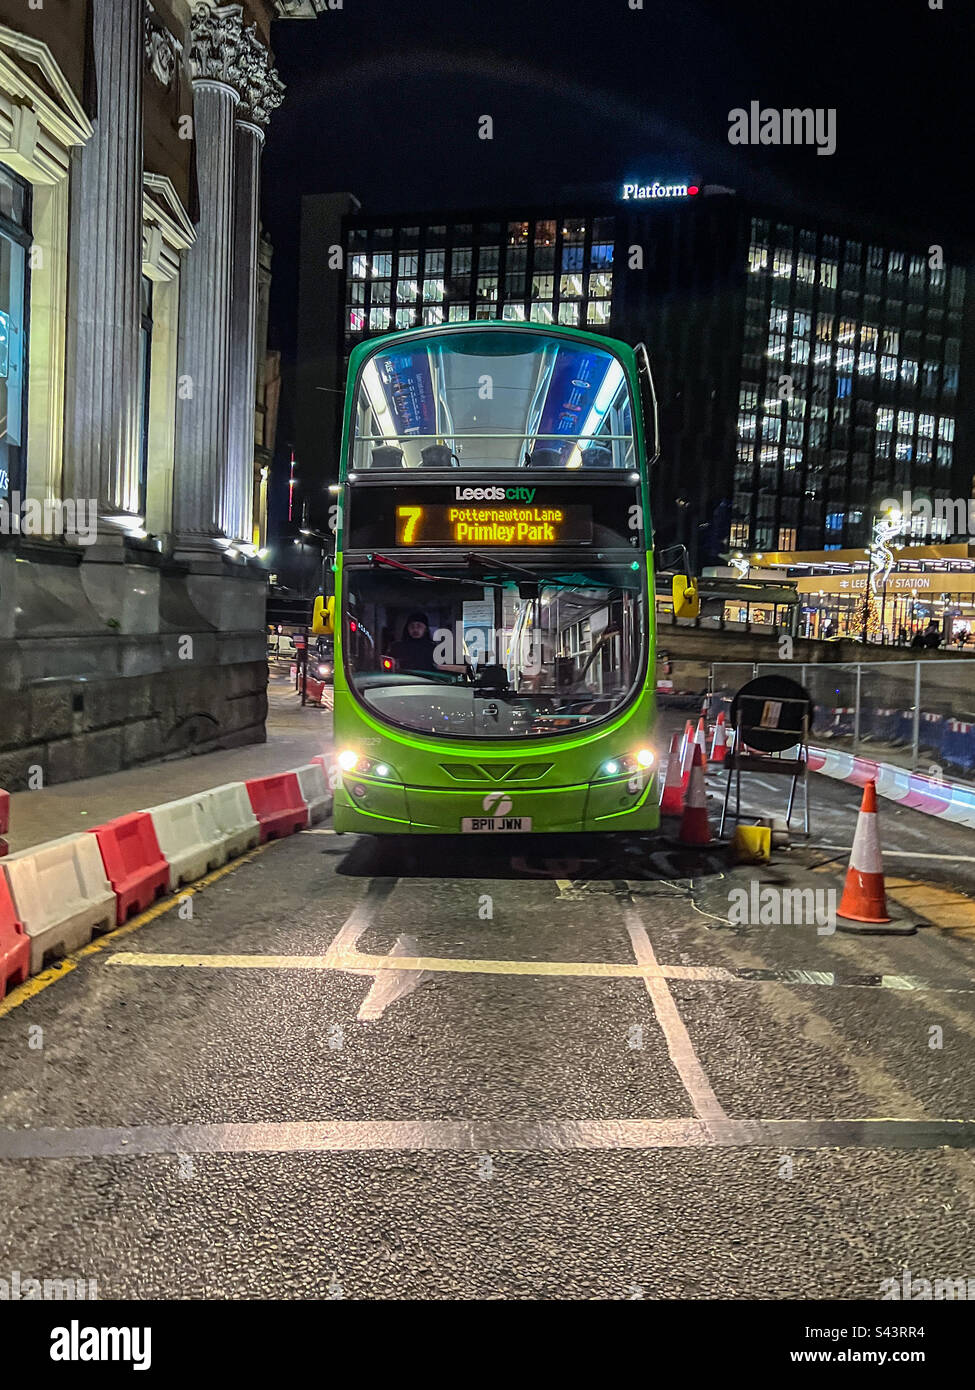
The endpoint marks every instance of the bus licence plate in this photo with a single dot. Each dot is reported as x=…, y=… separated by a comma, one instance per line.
x=481, y=825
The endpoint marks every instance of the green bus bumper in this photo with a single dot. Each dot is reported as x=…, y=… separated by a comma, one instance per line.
x=370, y=806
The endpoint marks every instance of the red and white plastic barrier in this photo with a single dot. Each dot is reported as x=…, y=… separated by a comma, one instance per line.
x=231, y=809
x=61, y=895
x=14, y=942
x=133, y=862
x=934, y=796
x=55, y=895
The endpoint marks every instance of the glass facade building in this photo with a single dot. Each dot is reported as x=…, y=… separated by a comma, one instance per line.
x=542, y=270
x=849, y=386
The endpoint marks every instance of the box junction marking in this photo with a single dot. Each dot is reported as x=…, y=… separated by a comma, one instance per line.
x=712, y=1129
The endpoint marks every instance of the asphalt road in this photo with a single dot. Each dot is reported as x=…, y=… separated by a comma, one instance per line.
x=504, y=1071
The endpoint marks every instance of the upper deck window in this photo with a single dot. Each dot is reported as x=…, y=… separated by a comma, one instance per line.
x=487, y=400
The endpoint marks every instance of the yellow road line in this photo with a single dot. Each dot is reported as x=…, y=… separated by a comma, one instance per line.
x=366, y=964
x=32, y=987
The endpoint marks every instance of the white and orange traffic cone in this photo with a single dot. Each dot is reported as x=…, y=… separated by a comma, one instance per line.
x=687, y=738
x=864, y=899
x=701, y=738
x=672, y=794
x=719, y=744
x=687, y=757
x=695, y=828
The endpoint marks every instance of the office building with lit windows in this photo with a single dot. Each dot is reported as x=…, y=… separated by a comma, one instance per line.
x=804, y=372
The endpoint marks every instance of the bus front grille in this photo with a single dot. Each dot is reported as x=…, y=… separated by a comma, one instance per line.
x=496, y=772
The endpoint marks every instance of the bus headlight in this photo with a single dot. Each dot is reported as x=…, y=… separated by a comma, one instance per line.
x=371, y=767
x=347, y=759
x=627, y=764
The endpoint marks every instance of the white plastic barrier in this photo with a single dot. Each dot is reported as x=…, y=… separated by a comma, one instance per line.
x=314, y=791
x=961, y=808
x=189, y=837
x=893, y=782
x=231, y=808
x=950, y=800
x=61, y=895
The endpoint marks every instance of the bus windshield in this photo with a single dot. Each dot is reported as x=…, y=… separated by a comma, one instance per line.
x=498, y=658
x=485, y=399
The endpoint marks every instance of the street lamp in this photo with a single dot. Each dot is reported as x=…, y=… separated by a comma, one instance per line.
x=323, y=540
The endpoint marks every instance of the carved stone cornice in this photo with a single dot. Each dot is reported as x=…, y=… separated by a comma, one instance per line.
x=221, y=49
x=263, y=90
x=163, y=50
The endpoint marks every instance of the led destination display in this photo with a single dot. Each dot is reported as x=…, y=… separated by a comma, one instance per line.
x=424, y=524
x=484, y=514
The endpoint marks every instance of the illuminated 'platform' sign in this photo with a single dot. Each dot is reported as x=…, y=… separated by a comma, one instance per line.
x=643, y=192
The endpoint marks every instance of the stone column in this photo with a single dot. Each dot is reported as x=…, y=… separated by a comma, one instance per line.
x=211, y=494
x=101, y=459
x=236, y=520
x=202, y=415
x=261, y=92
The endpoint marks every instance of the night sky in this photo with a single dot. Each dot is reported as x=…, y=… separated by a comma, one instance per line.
x=383, y=101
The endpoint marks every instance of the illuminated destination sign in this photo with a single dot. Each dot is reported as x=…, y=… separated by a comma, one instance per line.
x=488, y=526
x=643, y=192
x=481, y=514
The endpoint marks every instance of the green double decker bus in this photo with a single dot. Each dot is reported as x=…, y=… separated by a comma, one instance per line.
x=494, y=616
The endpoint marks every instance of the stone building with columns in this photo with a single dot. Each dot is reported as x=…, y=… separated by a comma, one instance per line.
x=133, y=282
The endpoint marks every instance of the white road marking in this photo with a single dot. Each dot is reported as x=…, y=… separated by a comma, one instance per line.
x=361, y=917
x=388, y=985
x=706, y=1104
x=904, y=854
x=481, y=1136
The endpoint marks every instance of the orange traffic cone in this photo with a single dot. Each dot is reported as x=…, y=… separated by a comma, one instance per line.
x=701, y=738
x=687, y=757
x=672, y=795
x=688, y=738
x=863, y=897
x=694, y=826
x=719, y=744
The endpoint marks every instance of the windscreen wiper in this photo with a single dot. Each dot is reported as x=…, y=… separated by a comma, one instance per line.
x=529, y=583
x=428, y=576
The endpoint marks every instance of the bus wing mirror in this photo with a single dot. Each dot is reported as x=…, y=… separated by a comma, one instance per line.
x=687, y=600
x=322, y=617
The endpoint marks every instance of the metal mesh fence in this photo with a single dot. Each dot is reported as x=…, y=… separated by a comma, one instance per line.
x=916, y=714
